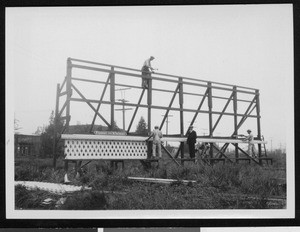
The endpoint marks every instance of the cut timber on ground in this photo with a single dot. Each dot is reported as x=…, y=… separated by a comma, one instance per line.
x=161, y=181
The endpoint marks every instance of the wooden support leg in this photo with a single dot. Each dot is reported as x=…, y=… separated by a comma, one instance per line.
x=77, y=169
x=66, y=164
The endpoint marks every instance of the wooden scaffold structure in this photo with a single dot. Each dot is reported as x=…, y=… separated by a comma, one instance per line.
x=128, y=146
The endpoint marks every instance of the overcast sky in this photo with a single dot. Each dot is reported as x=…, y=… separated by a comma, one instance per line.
x=247, y=45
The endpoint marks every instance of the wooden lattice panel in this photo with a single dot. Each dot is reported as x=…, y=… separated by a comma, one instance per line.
x=98, y=149
x=114, y=147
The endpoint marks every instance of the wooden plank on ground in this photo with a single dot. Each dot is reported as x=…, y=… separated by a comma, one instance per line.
x=161, y=181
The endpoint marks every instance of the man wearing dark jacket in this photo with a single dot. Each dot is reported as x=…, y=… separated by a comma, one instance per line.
x=191, y=140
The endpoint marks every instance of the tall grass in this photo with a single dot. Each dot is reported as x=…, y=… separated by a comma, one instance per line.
x=27, y=199
x=86, y=200
x=38, y=169
x=228, y=186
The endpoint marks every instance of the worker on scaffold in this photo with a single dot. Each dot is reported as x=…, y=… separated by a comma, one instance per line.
x=251, y=148
x=156, y=134
x=147, y=70
x=203, y=149
x=191, y=140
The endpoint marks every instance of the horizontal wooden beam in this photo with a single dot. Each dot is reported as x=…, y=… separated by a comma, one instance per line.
x=153, y=89
x=102, y=64
x=143, y=138
x=160, y=74
x=159, y=107
x=158, y=78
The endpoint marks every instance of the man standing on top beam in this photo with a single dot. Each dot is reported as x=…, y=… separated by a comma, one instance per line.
x=146, y=71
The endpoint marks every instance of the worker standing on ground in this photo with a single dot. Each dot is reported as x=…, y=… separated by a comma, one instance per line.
x=146, y=71
x=191, y=140
x=156, y=135
x=251, y=147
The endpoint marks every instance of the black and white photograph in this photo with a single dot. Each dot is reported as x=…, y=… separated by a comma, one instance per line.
x=150, y=112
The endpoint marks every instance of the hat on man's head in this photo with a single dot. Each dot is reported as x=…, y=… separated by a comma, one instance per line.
x=248, y=130
x=152, y=57
x=156, y=127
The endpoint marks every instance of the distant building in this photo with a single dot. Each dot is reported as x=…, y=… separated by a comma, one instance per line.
x=31, y=145
x=27, y=145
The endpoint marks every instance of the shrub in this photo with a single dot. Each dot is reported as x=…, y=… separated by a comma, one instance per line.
x=50, y=175
x=32, y=199
x=86, y=200
x=26, y=173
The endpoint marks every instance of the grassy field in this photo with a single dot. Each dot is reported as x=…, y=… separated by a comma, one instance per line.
x=221, y=186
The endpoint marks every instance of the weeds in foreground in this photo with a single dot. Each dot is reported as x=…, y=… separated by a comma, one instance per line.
x=91, y=200
x=229, y=186
x=26, y=199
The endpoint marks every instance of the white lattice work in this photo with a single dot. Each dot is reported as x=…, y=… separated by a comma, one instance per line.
x=88, y=147
x=99, y=149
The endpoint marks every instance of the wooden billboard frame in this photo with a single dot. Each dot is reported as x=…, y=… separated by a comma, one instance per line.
x=67, y=88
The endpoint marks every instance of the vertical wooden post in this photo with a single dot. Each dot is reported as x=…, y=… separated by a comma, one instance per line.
x=112, y=98
x=149, y=99
x=149, y=103
x=55, y=125
x=210, y=106
x=258, y=124
x=235, y=121
x=69, y=94
x=112, y=105
x=181, y=117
